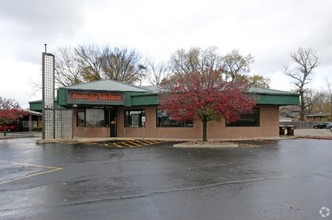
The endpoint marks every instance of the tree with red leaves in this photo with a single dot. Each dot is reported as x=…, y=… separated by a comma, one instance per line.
x=10, y=111
x=207, y=96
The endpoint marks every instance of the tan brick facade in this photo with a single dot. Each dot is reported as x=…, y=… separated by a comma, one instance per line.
x=269, y=121
x=89, y=132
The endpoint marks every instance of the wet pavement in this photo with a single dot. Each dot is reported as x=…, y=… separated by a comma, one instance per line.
x=284, y=179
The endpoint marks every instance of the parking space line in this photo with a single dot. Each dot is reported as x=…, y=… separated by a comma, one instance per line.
x=117, y=145
x=140, y=142
x=130, y=143
x=134, y=143
x=150, y=141
x=50, y=169
x=126, y=144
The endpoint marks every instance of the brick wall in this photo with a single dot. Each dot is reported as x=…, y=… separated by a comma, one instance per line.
x=89, y=132
x=269, y=127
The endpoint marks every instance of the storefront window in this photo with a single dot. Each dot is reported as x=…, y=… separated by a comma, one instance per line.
x=163, y=120
x=91, y=118
x=246, y=120
x=95, y=118
x=134, y=118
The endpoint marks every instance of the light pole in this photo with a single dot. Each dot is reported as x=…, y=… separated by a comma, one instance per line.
x=141, y=68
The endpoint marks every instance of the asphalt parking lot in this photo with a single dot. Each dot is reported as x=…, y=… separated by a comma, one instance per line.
x=284, y=179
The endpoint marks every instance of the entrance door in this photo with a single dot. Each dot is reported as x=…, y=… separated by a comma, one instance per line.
x=113, y=122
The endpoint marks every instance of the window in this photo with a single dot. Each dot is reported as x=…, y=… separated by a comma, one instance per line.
x=94, y=118
x=91, y=118
x=134, y=118
x=163, y=120
x=246, y=120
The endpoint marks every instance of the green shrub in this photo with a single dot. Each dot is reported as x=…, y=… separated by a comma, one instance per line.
x=37, y=129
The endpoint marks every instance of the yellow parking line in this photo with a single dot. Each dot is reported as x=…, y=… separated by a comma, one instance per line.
x=131, y=143
x=115, y=144
x=140, y=142
x=31, y=165
x=126, y=144
x=150, y=141
x=51, y=169
x=145, y=142
x=134, y=143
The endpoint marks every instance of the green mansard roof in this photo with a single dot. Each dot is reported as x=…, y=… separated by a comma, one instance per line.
x=106, y=85
x=148, y=95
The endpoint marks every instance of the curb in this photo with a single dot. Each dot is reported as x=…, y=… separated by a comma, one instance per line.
x=315, y=137
x=207, y=145
x=17, y=137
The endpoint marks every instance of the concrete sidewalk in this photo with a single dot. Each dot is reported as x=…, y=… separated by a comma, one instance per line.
x=23, y=134
x=313, y=133
x=298, y=133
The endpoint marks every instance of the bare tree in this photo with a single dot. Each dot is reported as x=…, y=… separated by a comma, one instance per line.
x=234, y=65
x=314, y=101
x=122, y=65
x=158, y=72
x=67, y=71
x=194, y=60
x=259, y=81
x=305, y=62
x=329, y=94
x=256, y=80
x=89, y=62
x=86, y=63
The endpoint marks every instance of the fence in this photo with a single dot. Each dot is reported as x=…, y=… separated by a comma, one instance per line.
x=301, y=124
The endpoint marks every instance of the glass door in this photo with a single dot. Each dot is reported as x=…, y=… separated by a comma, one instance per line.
x=113, y=122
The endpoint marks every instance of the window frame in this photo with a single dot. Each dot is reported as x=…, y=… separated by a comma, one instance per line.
x=257, y=115
x=84, y=111
x=140, y=121
x=178, y=123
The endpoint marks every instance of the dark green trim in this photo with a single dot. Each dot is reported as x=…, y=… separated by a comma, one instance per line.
x=273, y=99
x=64, y=102
x=142, y=99
x=62, y=96
x=265, y=97
x=36, y=106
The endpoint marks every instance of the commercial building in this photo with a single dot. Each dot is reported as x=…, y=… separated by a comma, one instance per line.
x=108, y=108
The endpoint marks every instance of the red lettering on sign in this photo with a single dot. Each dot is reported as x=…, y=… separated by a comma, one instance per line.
x=95, y=96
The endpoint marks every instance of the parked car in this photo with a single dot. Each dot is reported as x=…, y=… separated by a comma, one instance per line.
x=321, y=125
x=8, y=128
x=329, y=126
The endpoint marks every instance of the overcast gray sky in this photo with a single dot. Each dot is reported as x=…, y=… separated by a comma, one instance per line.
x=268, y=29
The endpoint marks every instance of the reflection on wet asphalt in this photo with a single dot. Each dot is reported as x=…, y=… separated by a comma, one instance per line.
x=288, y=179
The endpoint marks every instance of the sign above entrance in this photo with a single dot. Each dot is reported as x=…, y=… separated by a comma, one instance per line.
x=92, y=97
